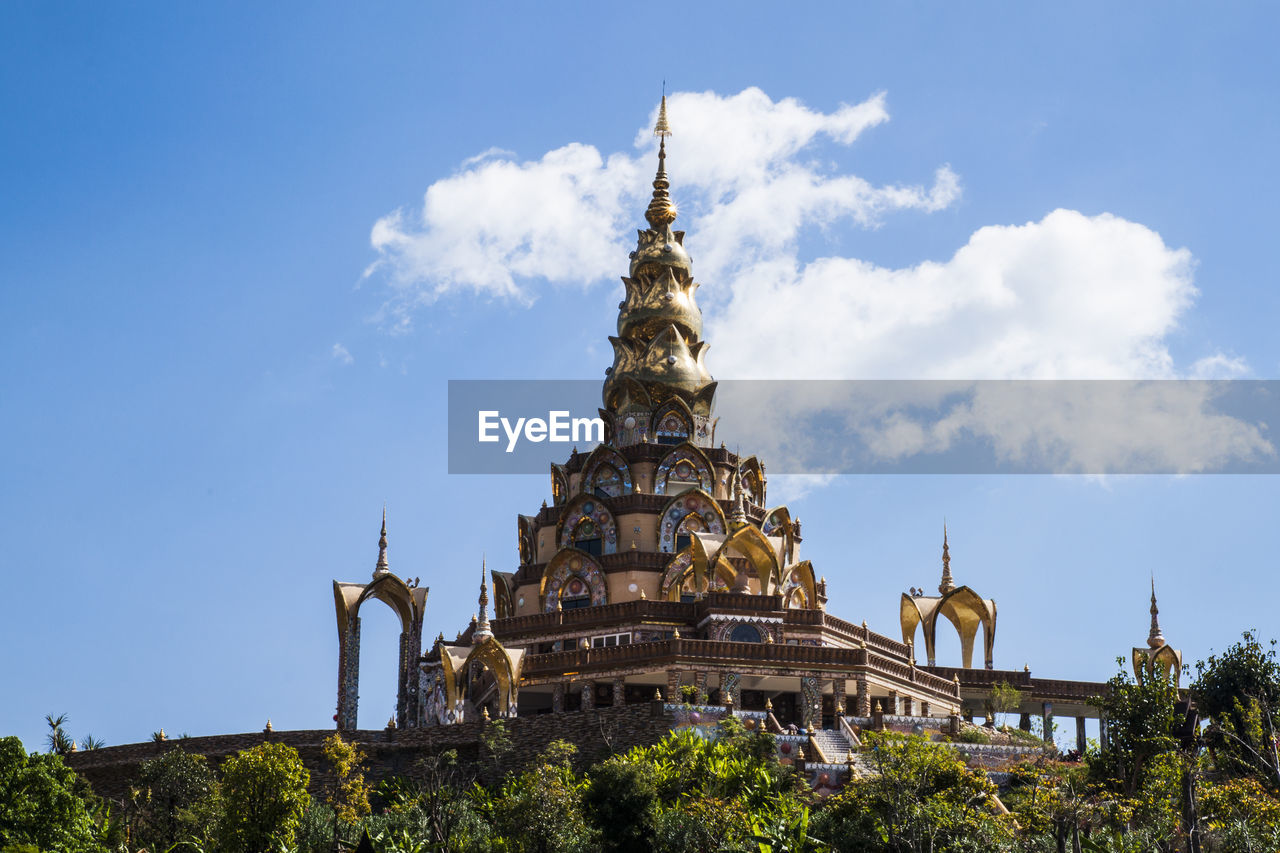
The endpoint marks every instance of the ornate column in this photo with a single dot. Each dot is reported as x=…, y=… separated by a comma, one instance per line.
x=700, y=681
x=811, y=700
x=619, y=692
x=588, y=695
x=1081, y=741
x=673, y=685
x=907, y=705
x=730, y=687
x=349, y=675
x=557, y=698
x=862, y=699
x=838, y=696
x=891, y=703
x=1047, y=710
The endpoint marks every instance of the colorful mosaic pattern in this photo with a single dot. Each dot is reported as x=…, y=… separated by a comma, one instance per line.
x=607, y=473
x=573, y=575
x=682, y=465
x=811, y=694
x=774, y=521
x=594, y=512
x=673, y=425
x=679, y=509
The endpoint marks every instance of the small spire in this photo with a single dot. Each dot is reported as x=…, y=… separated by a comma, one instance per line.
x=1156, y=638
x=739, y=512
x=947, y=583
x=661, y=212
x=483, y=631
x=382, y=567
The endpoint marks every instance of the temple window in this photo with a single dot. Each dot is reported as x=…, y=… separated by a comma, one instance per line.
x=745, y=633
x=607, y=640
x=607, y=482
x=672, y=429
x=586, y=537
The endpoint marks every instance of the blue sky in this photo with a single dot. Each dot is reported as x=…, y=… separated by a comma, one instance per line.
x=187, y=460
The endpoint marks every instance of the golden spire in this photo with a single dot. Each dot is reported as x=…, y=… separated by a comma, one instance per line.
x=662, y=211
x=483, y=631
x=947, y=583
x=382, y=567
x=1156, y=638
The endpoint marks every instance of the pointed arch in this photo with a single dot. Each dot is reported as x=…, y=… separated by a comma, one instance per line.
x=606, y=474
x=678, y=509
x=559, y=485
x=753, y=480
x=503, y=588
x=526, y=528
x=967, y=611
x=680, y=571
x=750, y=543
x=917, y=611
x=505, y=667
x=799, y=589
x=685, y=466
x=587, y=519
x=566, y=567
x=673, y=422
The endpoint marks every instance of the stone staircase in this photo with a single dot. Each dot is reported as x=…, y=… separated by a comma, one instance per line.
x=834, y=745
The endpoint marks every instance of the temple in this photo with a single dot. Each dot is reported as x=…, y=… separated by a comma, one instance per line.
x=659, y=571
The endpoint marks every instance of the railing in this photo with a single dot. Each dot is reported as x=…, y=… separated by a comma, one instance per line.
x=713, y=651
x=1047, y=689
x=640, y=609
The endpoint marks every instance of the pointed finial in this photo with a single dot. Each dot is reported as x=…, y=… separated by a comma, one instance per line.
x=382, y=566
x=267, y=729
x=662, y=211
x=947, y=583
x=643, y=597
x=483, y=631
x=768, y=704
x=1156, y=638
x=739, y=513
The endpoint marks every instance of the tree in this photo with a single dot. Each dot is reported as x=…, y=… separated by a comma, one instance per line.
x=540, y=810
x=1140, y=726
x=264, y=793
x=60, y=743
x=1002, y=699
x=43, y=804
x=175, y=799
x=349, y=794
x=1239, y=692
x=921, y=797
x=622, y=799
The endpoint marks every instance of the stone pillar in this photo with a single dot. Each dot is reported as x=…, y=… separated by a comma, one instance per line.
x=862, y=699
x=619, y=692
x=588, y=695
x=839, y=698
x=349, y=676
x=557, y=698
x=1104, y=735
x=673, y=685
x=730, y=688
x=1024, y=722
x=924, y=708
x=810, y=701
x=891, y=703
x=1047, y=710
x=1081, y=741
x=908, y=706
x=700, y=682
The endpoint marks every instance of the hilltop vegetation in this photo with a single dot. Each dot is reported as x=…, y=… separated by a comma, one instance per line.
x=1151, y=788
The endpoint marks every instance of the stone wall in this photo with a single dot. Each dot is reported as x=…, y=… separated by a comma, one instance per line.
x=597, y=733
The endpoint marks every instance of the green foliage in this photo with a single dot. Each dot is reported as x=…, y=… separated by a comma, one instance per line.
x=541, y=809
x=1002, y=699
x=264, y=793
x=1140, y=726
x=60, y=743
x=1242, y=813
x=45, y=806
x=921, y=797
x=622, y=799
x=349, y=794
x=969, y=734
x=1239, y=691
x=175, y=798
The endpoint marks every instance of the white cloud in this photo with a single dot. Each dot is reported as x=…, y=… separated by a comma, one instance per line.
x=341, y=354
x=1068, y=296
